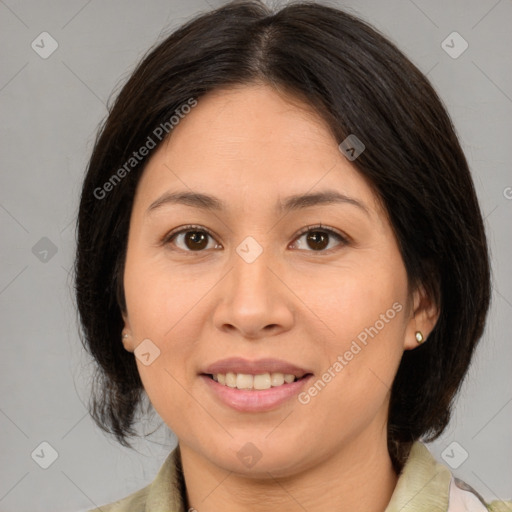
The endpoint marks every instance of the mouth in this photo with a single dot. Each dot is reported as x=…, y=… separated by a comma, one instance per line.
x=255, y=393
x=241, y=373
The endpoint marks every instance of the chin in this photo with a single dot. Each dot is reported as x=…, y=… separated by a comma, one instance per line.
x=257, y=457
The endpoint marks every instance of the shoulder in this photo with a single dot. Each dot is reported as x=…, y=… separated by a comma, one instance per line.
x=500, y=506
x=464, y=498
x=426, y=485
x=166, y=492
x=133, y=502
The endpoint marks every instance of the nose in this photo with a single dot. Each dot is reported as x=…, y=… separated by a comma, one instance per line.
x=254, y=301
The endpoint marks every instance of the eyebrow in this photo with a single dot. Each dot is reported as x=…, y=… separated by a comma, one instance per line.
x=291, y=203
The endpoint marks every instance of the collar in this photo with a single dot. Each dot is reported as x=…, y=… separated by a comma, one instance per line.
x=167, y=493
x=425, y=485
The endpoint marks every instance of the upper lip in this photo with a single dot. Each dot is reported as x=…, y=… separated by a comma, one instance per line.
x=256, y=367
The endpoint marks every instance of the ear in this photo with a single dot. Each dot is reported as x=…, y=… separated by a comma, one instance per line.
x=127, y=336
x=423, y=317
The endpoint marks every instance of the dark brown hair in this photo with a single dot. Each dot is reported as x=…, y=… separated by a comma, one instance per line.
x=359, y=83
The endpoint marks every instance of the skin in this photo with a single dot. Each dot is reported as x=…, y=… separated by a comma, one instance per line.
x=252, y=147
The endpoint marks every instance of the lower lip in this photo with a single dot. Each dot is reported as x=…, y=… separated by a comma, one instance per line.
x=248, y=400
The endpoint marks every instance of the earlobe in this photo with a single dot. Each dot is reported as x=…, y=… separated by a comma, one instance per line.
x=126, y=336
x=419, y=337
x=424, y=316
x=127, y=341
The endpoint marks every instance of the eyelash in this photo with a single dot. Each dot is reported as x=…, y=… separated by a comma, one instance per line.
x=318, y=227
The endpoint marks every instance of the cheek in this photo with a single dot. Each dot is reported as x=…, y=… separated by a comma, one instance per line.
x=165, y=307
x=353, y=297
x=157, y=298
x=352, y=390
x=365, y=313
x=167, y=389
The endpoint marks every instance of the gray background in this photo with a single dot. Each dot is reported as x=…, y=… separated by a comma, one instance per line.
x=50, y=110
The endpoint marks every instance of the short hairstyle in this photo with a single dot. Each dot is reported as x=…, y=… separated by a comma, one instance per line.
x=359, y=83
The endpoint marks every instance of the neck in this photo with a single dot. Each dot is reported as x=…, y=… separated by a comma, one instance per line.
x=359, y=476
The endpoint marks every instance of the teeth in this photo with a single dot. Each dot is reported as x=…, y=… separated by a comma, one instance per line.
x=263, y=381
x=231, y=380
x=257, y=382
x=277, y=379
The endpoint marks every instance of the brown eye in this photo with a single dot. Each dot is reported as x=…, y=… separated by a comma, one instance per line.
x=196, y=240
x=190, y=239
x=318, y=239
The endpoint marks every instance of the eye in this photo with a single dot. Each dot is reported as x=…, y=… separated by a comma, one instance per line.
x=318, y=238
x=193, y=238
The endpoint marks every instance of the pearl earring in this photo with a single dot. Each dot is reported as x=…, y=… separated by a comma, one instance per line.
x=419, y=337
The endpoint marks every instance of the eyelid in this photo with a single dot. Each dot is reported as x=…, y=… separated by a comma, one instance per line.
x=189, y=227
x=321, y=227
x=344, y=239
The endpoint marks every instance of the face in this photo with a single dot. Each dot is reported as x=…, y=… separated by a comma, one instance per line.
x=254, y=276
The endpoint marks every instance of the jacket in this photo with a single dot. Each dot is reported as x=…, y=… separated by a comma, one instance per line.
x=424, y=485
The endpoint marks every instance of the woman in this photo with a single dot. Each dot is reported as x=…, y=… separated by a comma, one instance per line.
x=279, y=242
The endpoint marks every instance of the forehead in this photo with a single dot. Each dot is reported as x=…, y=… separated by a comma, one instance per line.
x=252, y=143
